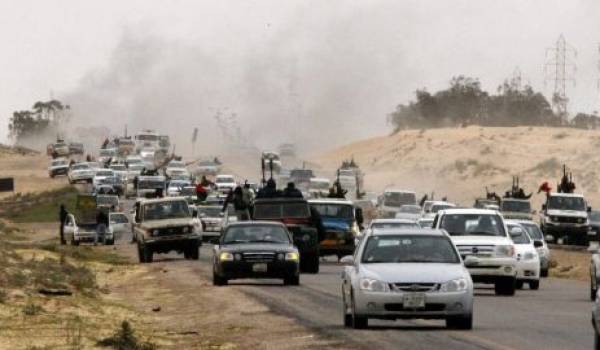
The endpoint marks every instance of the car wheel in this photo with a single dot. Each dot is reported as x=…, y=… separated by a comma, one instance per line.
x=292, y=280
x=347, y=316
x=358, y=321
x=310, y=263
x=74, y=242
x=519, y=285
x=110, y=242
x=505, y=286
x=147, y=254
x=534, y=285
x=460, y=322
x=544, y=273
x=596, y=340
x=218, y=280
x=194, y=253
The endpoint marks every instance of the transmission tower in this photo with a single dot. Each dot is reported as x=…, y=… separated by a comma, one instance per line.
x=560, y=69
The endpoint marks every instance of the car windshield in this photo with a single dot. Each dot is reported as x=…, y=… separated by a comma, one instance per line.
x=595, y=216
x=409, y=249
x=473, y=225
x=59, y=162
x=224, y=179
x=516, y=206
x=256, y=233
x=534, y=231
x=281, y=210
x=166, y=210
x=339, y=211
x=426, y=223
x=118, y=167
x=566, y=203
x=398, y=199
x=104, y=173
x=393, y=225
x=80, y=166
x=210, y=212
x=118, y=219
x=518, y=235
x=437, y=207
x=410, y=209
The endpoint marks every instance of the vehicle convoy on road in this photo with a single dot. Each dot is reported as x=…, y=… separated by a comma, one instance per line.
x=390, y=224
x=318, y=187
x=517, y=209
x=149, y=186
x=484, y=244
x=564, y=216
x=59, y=149
x=83, y=225
x=430, y=208
x=391, y=200
x=409, y=212
x=300, y=221
x=213, y=219
x=256, y=250
x=342, y=222
x=163, y=225
x=407, y=274
x=81, y=172
x=225, y=183
x=528, y=261
x=534, y=231
x=58, y=166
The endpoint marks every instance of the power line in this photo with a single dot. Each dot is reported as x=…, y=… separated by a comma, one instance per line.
x=559, y=69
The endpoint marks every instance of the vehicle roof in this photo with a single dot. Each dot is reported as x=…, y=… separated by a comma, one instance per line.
x=395, y=190
x=442, y=203
x=255, y=223
x=330, y=201
x=521, y=221
x=224, y=175
x=164, y=199
x=556, y=194
x=469, y=211
x=319, y=179
x=151, y=177
x=393, y=221
x=405, y=231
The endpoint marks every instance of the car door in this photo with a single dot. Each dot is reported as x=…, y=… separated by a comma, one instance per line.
x=69, y=229
x=119, y=223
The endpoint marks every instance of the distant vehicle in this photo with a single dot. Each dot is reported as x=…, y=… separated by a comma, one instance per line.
x=483, y=242
x=81, y=172
x=425, y=222
x=179, y=175
x=301, y=178
x=212, y=219
x=164, y=225
x=518, y=209
x=58, y=149
x=409, y=212
x=215, y=199
x=120, y=223
x=148, y=155
x=175, y=186
x=564, y=216
x=342, y=223
x=58, y=166
x=481, y=203
x=150, y=186
x=164, y=142
x=543, y=252
x=120, y=170
x=83, y=226
x=133, y=159
x=175, y=166
x=146, y=139
x=594, y=232
x=391, y=201
x=287, y=150
x=319, y=187
x=390, y=225
x=108, y=202
x=225, y=183
x=102, y=174
x=430, y=208
x=125, y=146
x=528, y=261
x=76, y=148
x=106, y=154
x=296, y=214
x=407, y=274
x=207, y=167
x=134, y=170
x=256, y=250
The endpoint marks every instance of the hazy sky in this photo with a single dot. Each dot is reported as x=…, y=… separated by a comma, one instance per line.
x=298, y=67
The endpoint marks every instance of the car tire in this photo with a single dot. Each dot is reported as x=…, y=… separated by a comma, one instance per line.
x=218, y=280
x=519, y=285
x=310, y=263
x=347, y=316
x=534, y=285
x=596, y=340
x=544, y=273
x=147, y=254
x=460, y=322
x=358, y=321
x=193, y=253
x=74, y=242
x=505, y=286
x=109, y=242
x=293, y=280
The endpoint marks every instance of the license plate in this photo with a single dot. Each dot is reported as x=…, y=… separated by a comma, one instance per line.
x=259, y=267
x=414, y=300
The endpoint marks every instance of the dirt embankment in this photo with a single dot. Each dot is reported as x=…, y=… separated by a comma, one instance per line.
x=461, y=162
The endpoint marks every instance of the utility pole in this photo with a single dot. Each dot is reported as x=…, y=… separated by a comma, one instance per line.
x=559, y=69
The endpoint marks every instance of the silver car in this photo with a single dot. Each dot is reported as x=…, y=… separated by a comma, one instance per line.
x=407, y=274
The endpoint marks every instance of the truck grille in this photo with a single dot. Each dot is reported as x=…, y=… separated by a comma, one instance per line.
x=483, y=251
x=259, y=257
x=414, y=287
x=428, y=307
x=171, y=231
x=568, y=219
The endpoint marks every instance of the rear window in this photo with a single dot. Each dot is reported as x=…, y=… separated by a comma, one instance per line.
x=473, y=225
x=409, y=249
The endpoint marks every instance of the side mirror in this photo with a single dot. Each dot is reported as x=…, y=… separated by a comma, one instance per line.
x=544, y=207
x=538, y=244
x=515, y=232
x=359, y=216
x=471, y=261
x=348, y=260
x=549, y=238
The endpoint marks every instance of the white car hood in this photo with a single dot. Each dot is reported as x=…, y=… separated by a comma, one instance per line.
x=413, y=272
x=571, y=213
x=480, y=240
x=524, y=248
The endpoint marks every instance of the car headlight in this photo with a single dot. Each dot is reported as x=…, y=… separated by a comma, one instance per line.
x=456, y=285
x=373, y=285
x=292, y=256
x=186, y=229
x=554, y=218
x=155, y=233
x=529, y=256
x=504, y=250
x=226, y=256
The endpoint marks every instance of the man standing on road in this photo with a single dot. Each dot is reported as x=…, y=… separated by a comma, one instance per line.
x=102, y=226
x=63, y=219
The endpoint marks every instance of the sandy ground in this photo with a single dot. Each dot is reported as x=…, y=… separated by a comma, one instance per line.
x=30, y=173
x=461, y=162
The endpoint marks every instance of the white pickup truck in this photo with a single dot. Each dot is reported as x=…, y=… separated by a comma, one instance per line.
x=483, y=241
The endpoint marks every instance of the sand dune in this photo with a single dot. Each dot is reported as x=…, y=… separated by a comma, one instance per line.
x=461, y=162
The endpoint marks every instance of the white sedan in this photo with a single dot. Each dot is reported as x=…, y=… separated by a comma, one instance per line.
x=528, y=260
x=407, y=274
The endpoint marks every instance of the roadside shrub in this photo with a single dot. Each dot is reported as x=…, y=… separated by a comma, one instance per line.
x=31, y=309
x=125, y=339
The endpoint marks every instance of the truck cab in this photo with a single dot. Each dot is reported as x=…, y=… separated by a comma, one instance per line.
x=391, y=200
x=342, y=222
x=564, y=217
x=516, y=209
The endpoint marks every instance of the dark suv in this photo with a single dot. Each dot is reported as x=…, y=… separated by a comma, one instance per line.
x=295, y=214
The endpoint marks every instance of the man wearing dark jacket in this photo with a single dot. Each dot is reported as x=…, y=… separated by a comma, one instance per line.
x=63, y=220
x=291, y=191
